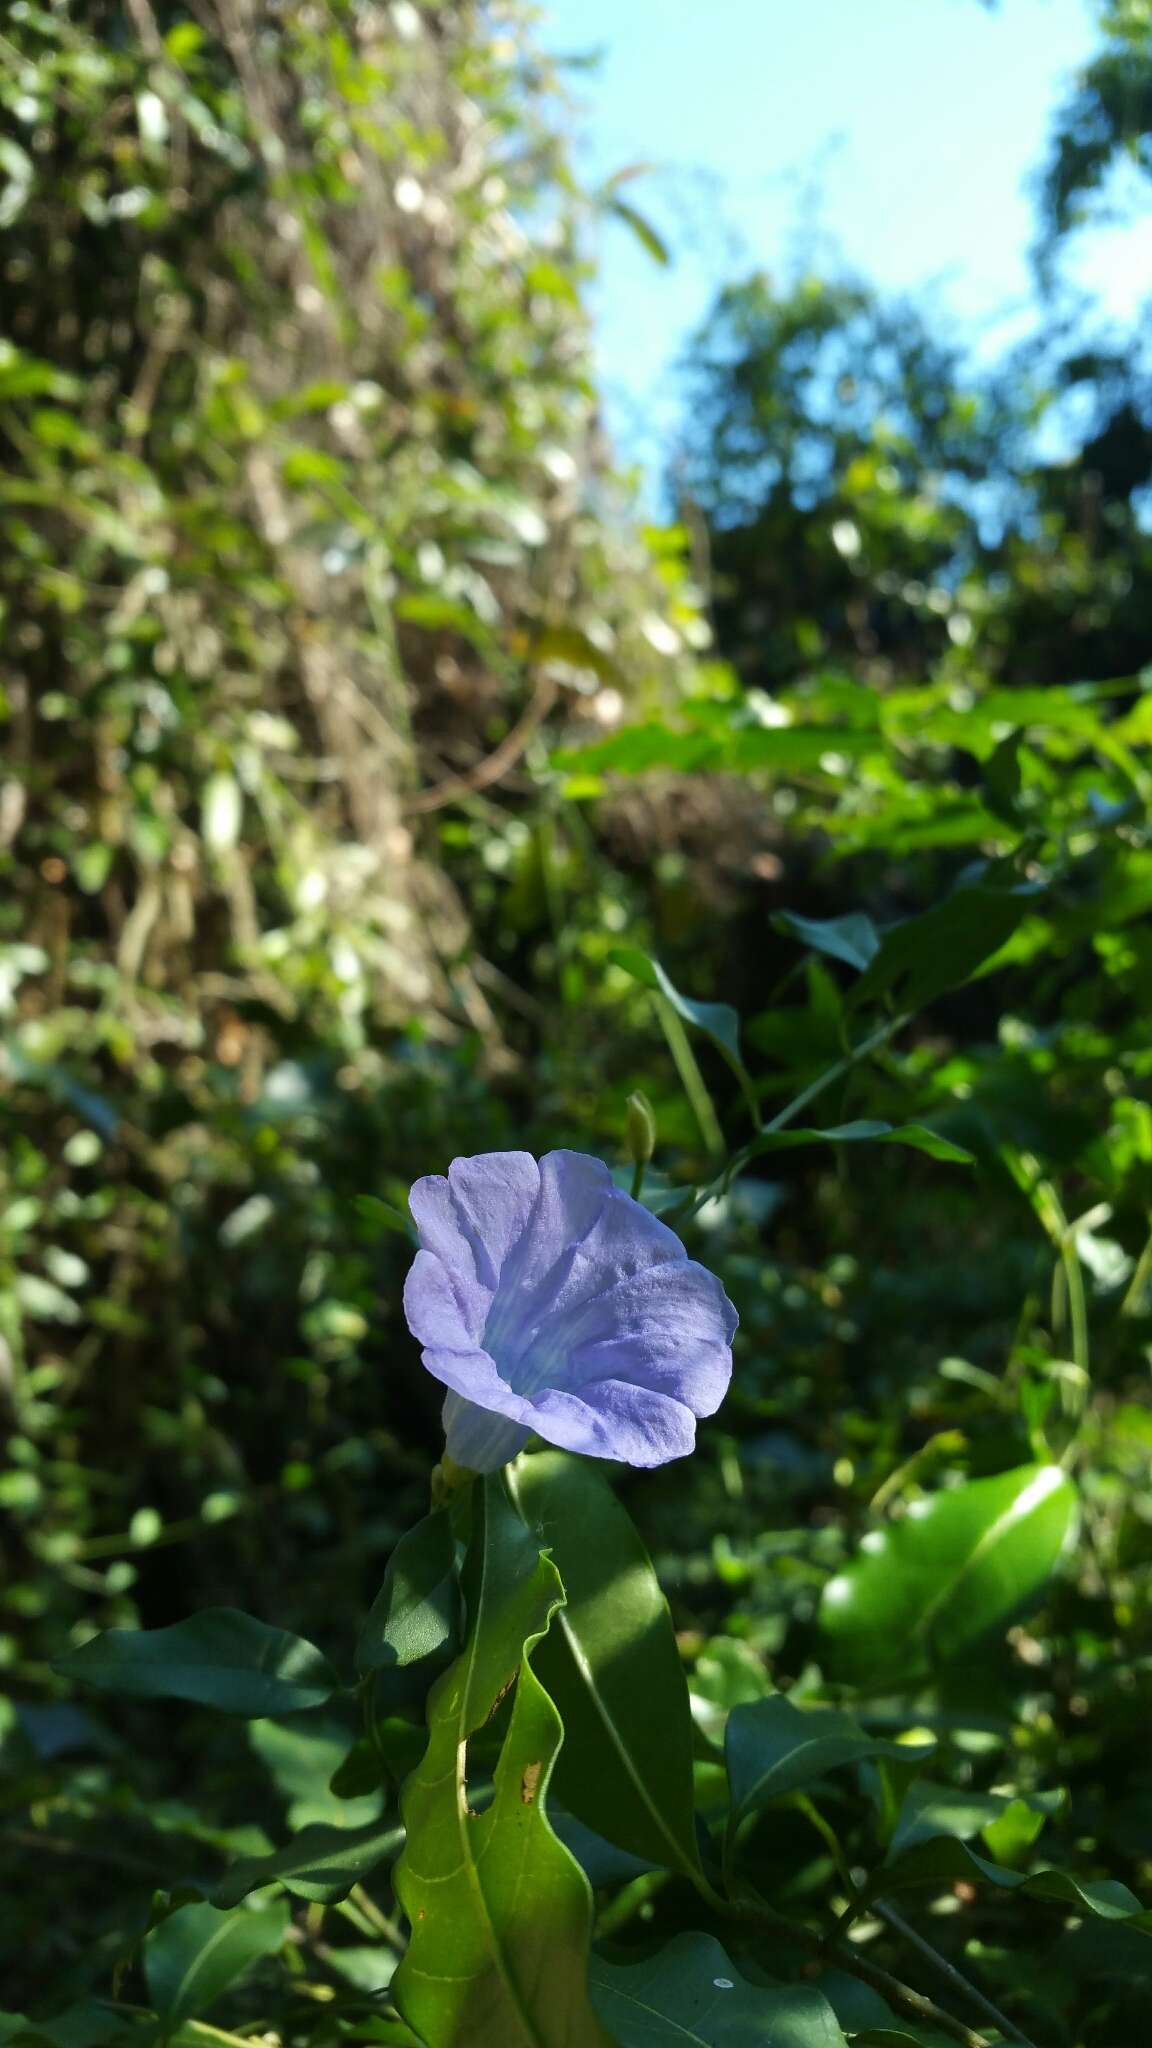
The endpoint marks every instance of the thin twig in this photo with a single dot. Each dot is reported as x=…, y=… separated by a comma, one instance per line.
x=913, y=2004
x=953, y=1976
x=495, y=766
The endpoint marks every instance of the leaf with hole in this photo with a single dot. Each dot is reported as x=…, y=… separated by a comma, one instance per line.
x=500, y=1911
x=611, y=1664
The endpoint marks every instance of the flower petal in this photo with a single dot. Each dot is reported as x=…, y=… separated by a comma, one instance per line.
x=479, y=1438
x=584, y=1236
x=631, y=1424
x=444, y=1310
x=473, y=1218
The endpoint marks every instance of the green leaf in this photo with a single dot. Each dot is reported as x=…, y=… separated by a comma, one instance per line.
x=320, y=1863
x=927, y=1849
x=500, y=1911
x=412, y=1629
x=958, y=1565
x=691, y=1996
x=865, y=1130
x=921, y=958
x=853, y=939
x=718, y=1021
x=773, y=1747
x=194, y=1956
x=643, y=230
x=218, y=1658
x=611, y=1664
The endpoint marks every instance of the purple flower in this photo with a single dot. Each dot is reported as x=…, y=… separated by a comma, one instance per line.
x=548, y=1300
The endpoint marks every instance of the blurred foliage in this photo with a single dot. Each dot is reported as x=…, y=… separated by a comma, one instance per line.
x=356, y=745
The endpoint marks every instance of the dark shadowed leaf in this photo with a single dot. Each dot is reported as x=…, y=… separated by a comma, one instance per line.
x=865, y=1130
x=321, y=1863
x=218, y=1658
x=853, y=939
x=193, y=1957
x=773, y=1747
x=945, y=946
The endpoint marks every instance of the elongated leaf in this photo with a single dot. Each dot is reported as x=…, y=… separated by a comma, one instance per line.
x=865, y=1130
x=957, y=1566
x=853, y=939
x=916, y=961
x=691, y=1995
x=718, y=1021
x=191, y=1958
x=723, y=747
x=643, y=230
x=320, y=1862
x=773, y=1747
x=412, y=1629
x=611, y=1664
x=218, y=1658
x=927, y=1849
x=500, y=1911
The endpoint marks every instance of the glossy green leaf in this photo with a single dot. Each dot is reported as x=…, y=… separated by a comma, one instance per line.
x=500, y=1911
x=195, y=1955
x=853, y=939
x=217, y=1658
x=865, y=1130
x=919, y=959
x=412, y=1629
x=718, y=1021
x=690, y=1995
x=773, y=1747
x=320, y=1863
x=611, y=1664
x=958, y=1565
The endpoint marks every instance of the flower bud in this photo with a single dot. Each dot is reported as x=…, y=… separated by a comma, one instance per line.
x=641, y=1129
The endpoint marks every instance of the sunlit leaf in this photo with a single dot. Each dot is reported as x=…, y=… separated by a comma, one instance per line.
x=611, y=1664
x=958, y=1565
x=500, y=1911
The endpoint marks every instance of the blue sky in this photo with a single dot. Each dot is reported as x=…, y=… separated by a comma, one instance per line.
x=898, y=137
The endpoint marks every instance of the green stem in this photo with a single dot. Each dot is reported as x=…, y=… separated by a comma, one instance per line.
x=900, y=1996
x=691, y=1079
x=955, y=1977
x=637, y=1180
x=790, y=1111
x=1134, y=1297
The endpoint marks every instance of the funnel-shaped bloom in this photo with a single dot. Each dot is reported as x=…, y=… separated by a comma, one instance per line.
x=546, y=1299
